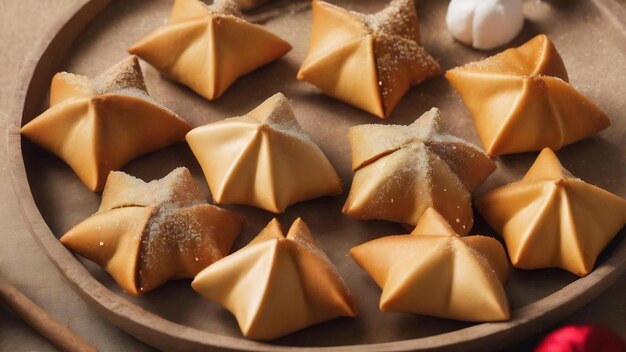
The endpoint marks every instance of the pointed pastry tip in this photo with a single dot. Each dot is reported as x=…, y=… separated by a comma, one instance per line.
x=538, y=56
x=399, y=17
x=432, y=223
x=550, y=63
x=276, y=111
x=298, y=223
x=540, y=40
x=429, y=120
x=401, y=5
x=125, y=74
x=274, y=226
x=548, y=154
x=277, y=99
x=433, y=115
x=273, y=230
x=300, y=231
x=547, y=166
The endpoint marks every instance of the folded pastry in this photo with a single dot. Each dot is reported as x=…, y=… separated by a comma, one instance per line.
x=553, y=219
x=207, y=48
x=434, y=271
x=369, y=61
x=145, y=234
x=98, y=125
x=277, y=285
x=521, y=101
x=263, y=159
x=400, y=171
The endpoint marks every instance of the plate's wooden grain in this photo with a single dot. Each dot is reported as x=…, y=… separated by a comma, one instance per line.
x=590, y=37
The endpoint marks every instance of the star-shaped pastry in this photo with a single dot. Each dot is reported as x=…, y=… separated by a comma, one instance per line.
x=277, y=285
x=207, y=48
x=98, y=125
x=369, y=61
x=263, y=159
x=400, y=171
x=434, y=271
x=145, y=234
x=521, y=100
x=553, y=219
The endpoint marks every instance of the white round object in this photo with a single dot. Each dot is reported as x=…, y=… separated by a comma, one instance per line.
x=485, y=24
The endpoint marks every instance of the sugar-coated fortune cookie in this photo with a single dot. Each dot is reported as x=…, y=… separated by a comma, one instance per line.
x=368, y=61
x=552, y=219
x=263, y=159
x=98, y=125
x=277, y=284
x=435, y=271
x=400, y=171
x=207, y=48
x=521, y=100
x=145, y=234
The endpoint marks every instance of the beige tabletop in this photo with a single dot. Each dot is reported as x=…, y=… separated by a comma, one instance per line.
x=22, y=262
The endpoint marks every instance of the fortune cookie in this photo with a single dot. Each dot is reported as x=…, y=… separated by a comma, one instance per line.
x=521, y=101
x=400, y=171
x=98, y=125
x=277, y=285
x=145, y=234
x=263, y=159
x=434, y=271
x=207, y=48
x=369, y=61
x=553, y=219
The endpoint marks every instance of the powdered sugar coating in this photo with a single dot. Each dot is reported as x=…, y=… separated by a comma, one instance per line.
x=181, y=226
x=225, y=7
x=123, y=79
x=397, y=42
x=403, y=170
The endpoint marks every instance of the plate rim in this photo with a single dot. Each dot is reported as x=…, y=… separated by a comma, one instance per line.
x=164, y=334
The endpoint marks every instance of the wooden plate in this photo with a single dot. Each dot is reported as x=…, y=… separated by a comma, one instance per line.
x=590, y=35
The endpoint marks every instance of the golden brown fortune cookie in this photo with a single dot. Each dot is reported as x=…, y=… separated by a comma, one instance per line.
x=521, y=101
x=98, y=125
x=552, y=219
x=207, y=48
x=277, y=284
x=145, y=234
x=400, y=171
x=369, y=61
x=434, y=271
x=263, y=159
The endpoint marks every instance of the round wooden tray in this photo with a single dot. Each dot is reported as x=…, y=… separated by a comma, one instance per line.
x=590, y=35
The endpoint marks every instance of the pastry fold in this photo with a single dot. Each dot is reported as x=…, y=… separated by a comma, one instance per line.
x=145, y=234
x=434, y=271
x=521, y=100
x=207, y=48
x=263, y=159
x=552, y=219
x=369, y=61
x=400, y=171
x=98, y=125
x=277, y=284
